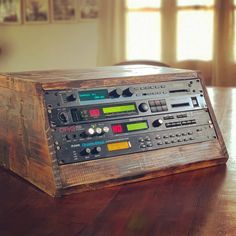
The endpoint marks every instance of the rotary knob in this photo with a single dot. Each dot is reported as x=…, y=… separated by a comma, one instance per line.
x=143, y=107
x=157, y=123
x=63, y=117
x=128, y=92
x=71, y=98
x=86, y=151
x=98, y=131
x=105, y=129
x=90, y=132
x=97, y=150
x=116, y=93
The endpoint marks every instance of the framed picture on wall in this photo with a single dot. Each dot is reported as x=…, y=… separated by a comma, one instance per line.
x=36, y=11
x=88, y=9
x=10, y=11
x=63, y=10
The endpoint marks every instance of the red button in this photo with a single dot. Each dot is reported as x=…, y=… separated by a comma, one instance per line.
x=117, y=129
x=94, y=113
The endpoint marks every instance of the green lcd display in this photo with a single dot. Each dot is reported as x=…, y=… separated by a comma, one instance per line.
x=93, y=95
x=119, y=109
x=137, y=126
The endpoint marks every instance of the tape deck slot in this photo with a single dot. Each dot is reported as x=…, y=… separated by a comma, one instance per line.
x=179, y=91
x=183, y=104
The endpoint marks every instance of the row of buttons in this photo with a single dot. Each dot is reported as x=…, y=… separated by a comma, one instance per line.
x=174, y=135
x=158, y=105
x=170, y=117
x=179, y=140
x=186, y=122
x=152, y=87
x=145, y=142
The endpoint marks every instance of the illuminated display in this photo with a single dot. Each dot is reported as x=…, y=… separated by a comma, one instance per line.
x=129, y=127
x=118, y=146
x=93, y=95
x=94, y=112
x=117, y=128
x=119, y=109
x=137, y=126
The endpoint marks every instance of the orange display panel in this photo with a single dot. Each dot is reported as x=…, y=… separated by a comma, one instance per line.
x=118, y=146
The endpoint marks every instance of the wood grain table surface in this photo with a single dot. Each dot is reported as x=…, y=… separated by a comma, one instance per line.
x=201, y=202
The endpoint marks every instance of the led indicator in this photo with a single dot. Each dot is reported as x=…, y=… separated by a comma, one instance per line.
x=119, y=109
x=94, y=112
x=118, y=146
x=117, y=128
x=137, y=126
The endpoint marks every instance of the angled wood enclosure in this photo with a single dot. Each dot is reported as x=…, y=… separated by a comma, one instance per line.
x=27, y=146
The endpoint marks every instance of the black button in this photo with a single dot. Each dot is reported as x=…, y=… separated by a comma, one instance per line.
x=164, y=108
x=163, y=102
x=151, y=103
x=168, y=117
x=153, y=109
x=157, y=103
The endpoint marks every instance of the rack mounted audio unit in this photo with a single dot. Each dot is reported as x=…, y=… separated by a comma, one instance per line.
x=71, y=131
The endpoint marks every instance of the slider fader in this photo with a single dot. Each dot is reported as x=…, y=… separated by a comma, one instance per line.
x=114, y=125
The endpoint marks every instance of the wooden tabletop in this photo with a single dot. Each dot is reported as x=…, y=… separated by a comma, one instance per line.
x=201, y=202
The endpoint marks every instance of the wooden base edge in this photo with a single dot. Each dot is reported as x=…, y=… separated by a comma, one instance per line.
x=144, y=177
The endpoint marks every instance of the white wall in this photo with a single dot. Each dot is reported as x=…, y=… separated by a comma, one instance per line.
x=49, y=46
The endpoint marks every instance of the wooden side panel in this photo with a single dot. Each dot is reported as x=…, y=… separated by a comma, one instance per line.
x=19, y=85
x=142, y=165
x=23, y=142
x=213, y=117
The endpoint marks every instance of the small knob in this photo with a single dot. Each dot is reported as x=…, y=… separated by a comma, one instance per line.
x=98, y=131
x=86, y=151
x=71, y=97
x=143, y=107
x=128, y=92
x=105, y=129
x=63, y=117
x=157, y=123
x=97, y=150
x=90, y=132
x=116, y=93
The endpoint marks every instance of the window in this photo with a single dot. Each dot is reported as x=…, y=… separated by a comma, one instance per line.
x=235, y=30
x=195, y=29
x=143, y=32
